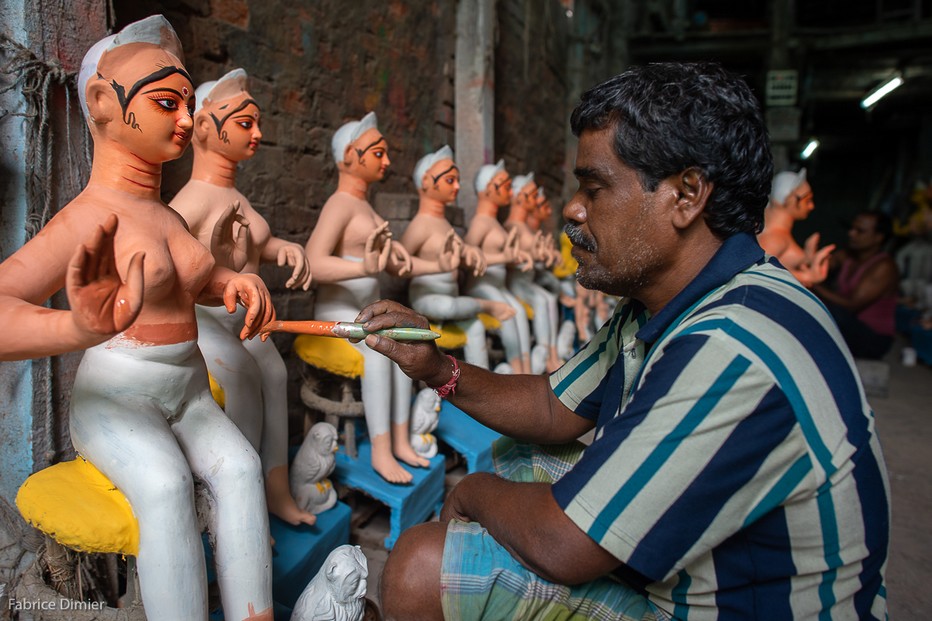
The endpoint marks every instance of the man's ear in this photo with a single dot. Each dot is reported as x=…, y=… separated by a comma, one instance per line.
x=101, y=102
x=692, y=193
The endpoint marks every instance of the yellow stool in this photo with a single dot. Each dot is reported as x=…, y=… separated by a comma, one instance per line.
x=491, y=323
x=77, y=506
x=451, y=336
x=335, y=357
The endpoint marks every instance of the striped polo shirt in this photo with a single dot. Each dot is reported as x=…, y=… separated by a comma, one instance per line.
x=735, y=467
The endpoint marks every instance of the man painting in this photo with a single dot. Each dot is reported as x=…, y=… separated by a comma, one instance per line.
x=734, y=471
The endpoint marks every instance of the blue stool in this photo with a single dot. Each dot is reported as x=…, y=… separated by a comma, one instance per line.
x=466, y=436
x=299, y=553
x=408, y=504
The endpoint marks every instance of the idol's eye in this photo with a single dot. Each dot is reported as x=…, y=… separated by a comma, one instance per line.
x=169, y=104
x=378, y=153
x=245, y=124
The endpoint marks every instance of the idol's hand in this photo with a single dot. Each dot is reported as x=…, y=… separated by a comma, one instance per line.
x=101, y=303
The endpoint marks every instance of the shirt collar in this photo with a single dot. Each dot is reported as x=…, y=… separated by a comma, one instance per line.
x=736, y=254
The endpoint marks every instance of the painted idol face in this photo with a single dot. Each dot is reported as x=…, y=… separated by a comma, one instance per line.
x=232, y=126
x=442, y=181
x=367, y=156
x=148, y=100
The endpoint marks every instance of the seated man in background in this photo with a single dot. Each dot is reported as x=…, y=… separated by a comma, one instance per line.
x=863, y=299
x=734, y=470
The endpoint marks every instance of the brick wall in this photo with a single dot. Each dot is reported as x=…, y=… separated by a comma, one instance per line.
x=314, y=64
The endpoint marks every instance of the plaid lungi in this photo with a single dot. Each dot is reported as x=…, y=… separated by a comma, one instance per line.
x=480, y=580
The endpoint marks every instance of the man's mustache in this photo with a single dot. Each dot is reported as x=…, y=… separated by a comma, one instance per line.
x=579, y=238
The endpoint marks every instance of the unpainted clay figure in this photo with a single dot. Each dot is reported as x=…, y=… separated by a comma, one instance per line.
x=252, y=373
x=791, y=200
x=425, y=415
x=338, y=591
x=312, y=464
x=141, y=408
x=500, y=247
x=349, y=246
x=437, y=296
x=521, y=283
x=541, y=219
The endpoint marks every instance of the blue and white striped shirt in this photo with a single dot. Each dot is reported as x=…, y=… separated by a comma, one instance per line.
x=735, y=464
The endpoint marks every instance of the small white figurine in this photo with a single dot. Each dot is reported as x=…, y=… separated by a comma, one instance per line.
x=313, y=463
x=338, y=591
x=424, y=418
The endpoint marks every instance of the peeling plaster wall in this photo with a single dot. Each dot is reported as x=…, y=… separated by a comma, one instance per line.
x=15, y=377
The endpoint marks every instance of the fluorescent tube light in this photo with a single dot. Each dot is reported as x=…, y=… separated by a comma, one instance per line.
x=881, y=91
x=810, y=149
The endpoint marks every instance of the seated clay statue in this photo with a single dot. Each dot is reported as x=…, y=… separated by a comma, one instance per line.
x=338, y=591
x=141, y=407
x=425, y=415
x=436, y=296
x=541, y=219
x=252, y=373
x=521, y=283
x=312, y=464
x=791, y=200
x=349, y=246
x=500, y=247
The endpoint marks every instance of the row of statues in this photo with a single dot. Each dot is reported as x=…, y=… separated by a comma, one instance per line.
x=159, y=295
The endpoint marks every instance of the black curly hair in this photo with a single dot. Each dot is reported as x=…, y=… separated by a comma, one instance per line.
x=672, y=116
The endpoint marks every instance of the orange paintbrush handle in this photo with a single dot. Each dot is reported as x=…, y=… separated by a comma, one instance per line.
x=315, y=328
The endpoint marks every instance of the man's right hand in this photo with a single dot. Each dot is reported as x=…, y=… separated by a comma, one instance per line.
x=420, y=360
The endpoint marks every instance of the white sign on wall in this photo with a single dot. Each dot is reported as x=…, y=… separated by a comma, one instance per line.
x=782, y=87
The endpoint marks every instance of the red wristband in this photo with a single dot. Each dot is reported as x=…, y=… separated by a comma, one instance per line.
x=450, y=387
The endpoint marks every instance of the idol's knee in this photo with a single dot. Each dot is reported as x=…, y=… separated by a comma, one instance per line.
x=242, y=469
x=163, y=490
x=410, y=584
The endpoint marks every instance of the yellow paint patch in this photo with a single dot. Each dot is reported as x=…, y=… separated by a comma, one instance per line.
x=75, y=504
x=334, y=355
x=216, y=390
x=527, y=308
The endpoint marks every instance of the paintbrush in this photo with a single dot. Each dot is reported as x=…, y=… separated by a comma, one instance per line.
x=345, y=330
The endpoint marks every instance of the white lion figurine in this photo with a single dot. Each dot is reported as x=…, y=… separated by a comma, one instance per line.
x=424, y=417
x=338, y=591
x=314, y=462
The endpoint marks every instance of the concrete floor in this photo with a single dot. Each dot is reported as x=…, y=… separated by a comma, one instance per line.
x=904, y=421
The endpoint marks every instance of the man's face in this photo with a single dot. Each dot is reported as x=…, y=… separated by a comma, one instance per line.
x=611, y=220
x=442, y=182
x=500, y=188
x=800, y=202
x=368, y=156
x=863, y=233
